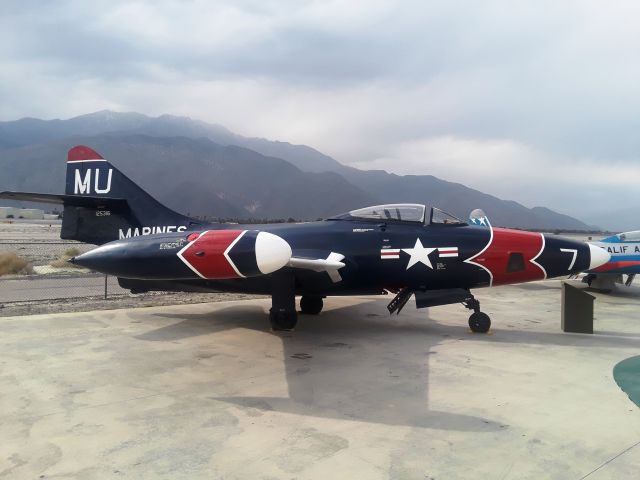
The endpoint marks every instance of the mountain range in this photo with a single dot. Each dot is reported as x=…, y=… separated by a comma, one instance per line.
x=206, y=170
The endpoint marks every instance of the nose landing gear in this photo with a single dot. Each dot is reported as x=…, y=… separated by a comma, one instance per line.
x=479, y=322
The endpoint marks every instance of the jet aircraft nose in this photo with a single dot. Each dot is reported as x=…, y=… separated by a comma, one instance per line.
x=599, y=256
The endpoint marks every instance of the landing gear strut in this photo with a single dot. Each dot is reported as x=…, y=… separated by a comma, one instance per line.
x=479, y=322
x=283, y=314
x=311, y=305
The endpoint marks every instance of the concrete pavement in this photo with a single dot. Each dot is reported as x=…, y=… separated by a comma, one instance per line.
x=206, y=391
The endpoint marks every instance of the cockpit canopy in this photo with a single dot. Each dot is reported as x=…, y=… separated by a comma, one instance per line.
x=401, y=212
x=629, y=236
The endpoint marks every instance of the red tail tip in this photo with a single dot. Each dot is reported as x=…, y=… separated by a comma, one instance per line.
x=81, y=152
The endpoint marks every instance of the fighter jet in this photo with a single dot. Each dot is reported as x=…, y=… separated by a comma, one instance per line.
x=624, y=249
x=403, y=249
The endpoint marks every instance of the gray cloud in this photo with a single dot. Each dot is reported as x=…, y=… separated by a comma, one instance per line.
x=544, y=89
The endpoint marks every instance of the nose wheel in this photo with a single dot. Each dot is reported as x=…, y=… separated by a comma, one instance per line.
x=479, y=322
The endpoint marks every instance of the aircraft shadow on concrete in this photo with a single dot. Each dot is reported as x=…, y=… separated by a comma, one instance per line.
x=619, y=291
x=342, y=364
x=350, y=363
x=539, y=286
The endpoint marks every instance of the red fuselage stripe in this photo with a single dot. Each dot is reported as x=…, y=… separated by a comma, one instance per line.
x=212, y=263
x=496, y=257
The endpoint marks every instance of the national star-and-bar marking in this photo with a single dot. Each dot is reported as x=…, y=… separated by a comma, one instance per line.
x=448, y=252
x=418, y=254
x=390, y=253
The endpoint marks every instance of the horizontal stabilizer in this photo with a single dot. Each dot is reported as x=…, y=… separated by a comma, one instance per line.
x=71, y=200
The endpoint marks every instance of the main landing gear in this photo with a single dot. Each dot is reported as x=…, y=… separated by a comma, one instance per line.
x=283, y=315
x=283, y=320
x=311, y=305
x=479, y=322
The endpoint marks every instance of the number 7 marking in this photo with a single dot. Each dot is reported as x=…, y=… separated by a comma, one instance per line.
x=573, y=259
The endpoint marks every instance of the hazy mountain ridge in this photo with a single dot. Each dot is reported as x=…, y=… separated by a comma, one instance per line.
x=193, y=176
x=205, y=169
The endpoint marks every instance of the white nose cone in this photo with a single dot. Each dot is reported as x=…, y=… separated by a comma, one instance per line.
x=272, y=252
x=599, y=256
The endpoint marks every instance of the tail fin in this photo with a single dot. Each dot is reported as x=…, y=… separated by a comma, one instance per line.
x=101, y=204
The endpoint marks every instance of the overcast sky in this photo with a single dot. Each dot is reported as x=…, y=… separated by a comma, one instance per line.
x=533, y=101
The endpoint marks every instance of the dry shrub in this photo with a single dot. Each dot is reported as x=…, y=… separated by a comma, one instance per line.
x=63, y=261
x=71, y=252
x=11, y=263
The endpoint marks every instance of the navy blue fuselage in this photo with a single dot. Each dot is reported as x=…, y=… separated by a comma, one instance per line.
x=377, y=255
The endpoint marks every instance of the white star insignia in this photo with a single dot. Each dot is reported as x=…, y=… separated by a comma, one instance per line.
x=419, y=254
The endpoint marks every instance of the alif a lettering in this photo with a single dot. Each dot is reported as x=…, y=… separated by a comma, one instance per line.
x=622, y=249
x=82, y=184
x=136, y=232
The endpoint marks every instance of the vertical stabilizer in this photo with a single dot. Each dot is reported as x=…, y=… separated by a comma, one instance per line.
x=104, y=205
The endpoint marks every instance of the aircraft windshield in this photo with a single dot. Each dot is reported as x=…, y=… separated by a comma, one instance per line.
x=438, y=217
x=402, y=212
x=630, y=236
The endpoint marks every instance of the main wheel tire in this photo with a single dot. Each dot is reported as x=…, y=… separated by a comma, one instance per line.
x=284, y=320
x=311, y=305
x=479, y=322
